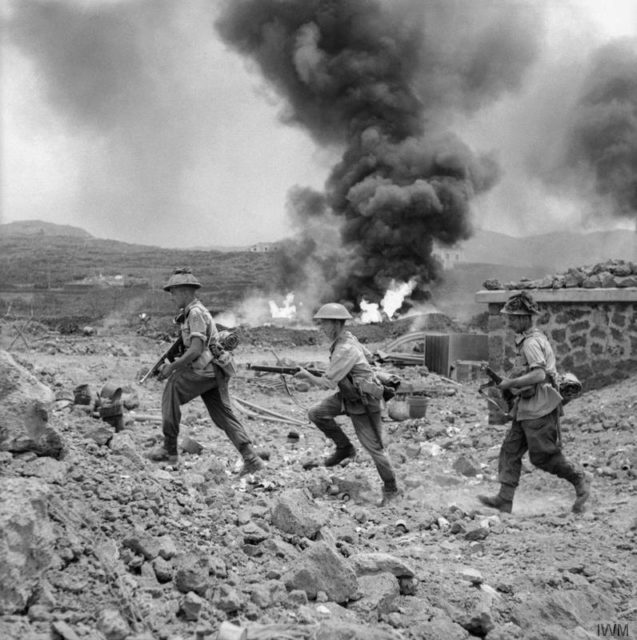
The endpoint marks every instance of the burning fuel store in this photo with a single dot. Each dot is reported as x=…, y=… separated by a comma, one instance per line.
x=588, y=314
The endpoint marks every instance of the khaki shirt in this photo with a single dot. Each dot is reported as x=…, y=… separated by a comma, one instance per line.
x=348, y=355
x=534, y=351
x=198, y=323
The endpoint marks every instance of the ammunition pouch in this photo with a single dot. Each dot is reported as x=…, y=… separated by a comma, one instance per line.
x=361, y=396
x=369, y=388
x=528, y=392
x=348, y=391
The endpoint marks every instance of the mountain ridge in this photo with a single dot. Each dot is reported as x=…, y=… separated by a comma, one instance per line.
x=551, y=251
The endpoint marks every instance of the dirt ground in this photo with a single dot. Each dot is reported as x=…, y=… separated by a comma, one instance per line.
x=539, y=573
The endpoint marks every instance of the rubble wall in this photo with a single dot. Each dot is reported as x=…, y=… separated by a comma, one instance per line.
x=596, y=339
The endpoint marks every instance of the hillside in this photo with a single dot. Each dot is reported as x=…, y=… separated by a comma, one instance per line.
x=551, y=251
x=46, y=257
x=38, y=227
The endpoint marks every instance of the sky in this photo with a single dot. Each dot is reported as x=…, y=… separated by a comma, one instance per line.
x=139, y=121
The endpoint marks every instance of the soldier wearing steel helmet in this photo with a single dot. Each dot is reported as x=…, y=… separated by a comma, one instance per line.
x=197, y=373
x=536, y=411
x=358, y=396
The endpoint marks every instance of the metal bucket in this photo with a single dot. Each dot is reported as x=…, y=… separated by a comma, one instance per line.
x=417, y=406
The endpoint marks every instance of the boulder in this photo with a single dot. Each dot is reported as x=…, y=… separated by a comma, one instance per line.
x=26, y=541
x=374, y=563
x=296, y=513
x=24, y=412
x=380, y=593
x=320, y=568
x=566, y=609
x=341, y=630
x=191, y=574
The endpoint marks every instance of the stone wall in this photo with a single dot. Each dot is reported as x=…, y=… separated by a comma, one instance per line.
x=593, y=331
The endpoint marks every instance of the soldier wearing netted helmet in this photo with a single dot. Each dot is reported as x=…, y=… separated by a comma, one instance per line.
x=358, y=395
x=536, y=411
x=198, y=372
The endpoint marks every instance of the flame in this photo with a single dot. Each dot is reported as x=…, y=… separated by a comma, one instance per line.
x=287, y=310
x=395, y=296
x=370, y=312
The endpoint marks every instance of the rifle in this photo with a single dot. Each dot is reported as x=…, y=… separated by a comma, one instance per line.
x=173, y=352
x=289, y=371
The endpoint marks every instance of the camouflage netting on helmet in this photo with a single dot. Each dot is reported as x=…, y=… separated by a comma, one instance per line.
x=520, y=304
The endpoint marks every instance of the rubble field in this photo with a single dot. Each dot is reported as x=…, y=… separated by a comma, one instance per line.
x=99, y=543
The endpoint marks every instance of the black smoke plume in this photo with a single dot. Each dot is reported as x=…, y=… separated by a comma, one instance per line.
x=380, y=80
x=603, y=136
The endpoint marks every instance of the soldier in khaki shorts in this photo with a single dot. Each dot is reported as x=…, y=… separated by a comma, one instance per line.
x=536, y=412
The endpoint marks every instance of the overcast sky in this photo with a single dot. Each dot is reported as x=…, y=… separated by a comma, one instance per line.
x=182, y=143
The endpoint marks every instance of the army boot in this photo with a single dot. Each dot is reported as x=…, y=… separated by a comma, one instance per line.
x=161, y=454
x=502, y=502
x=582, y=493
x=252, y=463
x=390, y=494
x=340, y=454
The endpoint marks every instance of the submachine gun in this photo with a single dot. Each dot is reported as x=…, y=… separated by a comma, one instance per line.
x=506, y=394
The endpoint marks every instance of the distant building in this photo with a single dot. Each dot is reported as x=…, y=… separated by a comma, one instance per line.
x=264, y=247
x=449, y=257
x=96, y=282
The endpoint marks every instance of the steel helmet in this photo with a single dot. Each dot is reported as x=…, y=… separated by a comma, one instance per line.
x=111, y=391
x=520, y=304
x=182, y=278
x=332, y=311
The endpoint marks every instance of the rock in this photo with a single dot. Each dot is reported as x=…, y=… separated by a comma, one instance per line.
x=341, y=630
x=190, y=445
x=253, y=533
x=64, y=631
x=146, y=546
x=440, y=626
x=227, y=599
x=380, y=592
x=296, y=513
x=191, y=574
x=407, y=585
x=26, y=541
x=374, y=563
x=167, y=548
x=123, y=445
x=354, y=486
x=163, y=570
x=24, y=412
x=297, y=596
x=471, y=575
x=269, y=593
x=112, y=625
x=478, y=533
x=47, y=469
x=567, y=609
x=507, y=631
x=191, y=605
x=320, y=568
x=101, y=434
x=466, y=466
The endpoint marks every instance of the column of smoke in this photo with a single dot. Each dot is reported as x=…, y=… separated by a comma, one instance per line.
x=376, y=79
x=602, y=139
